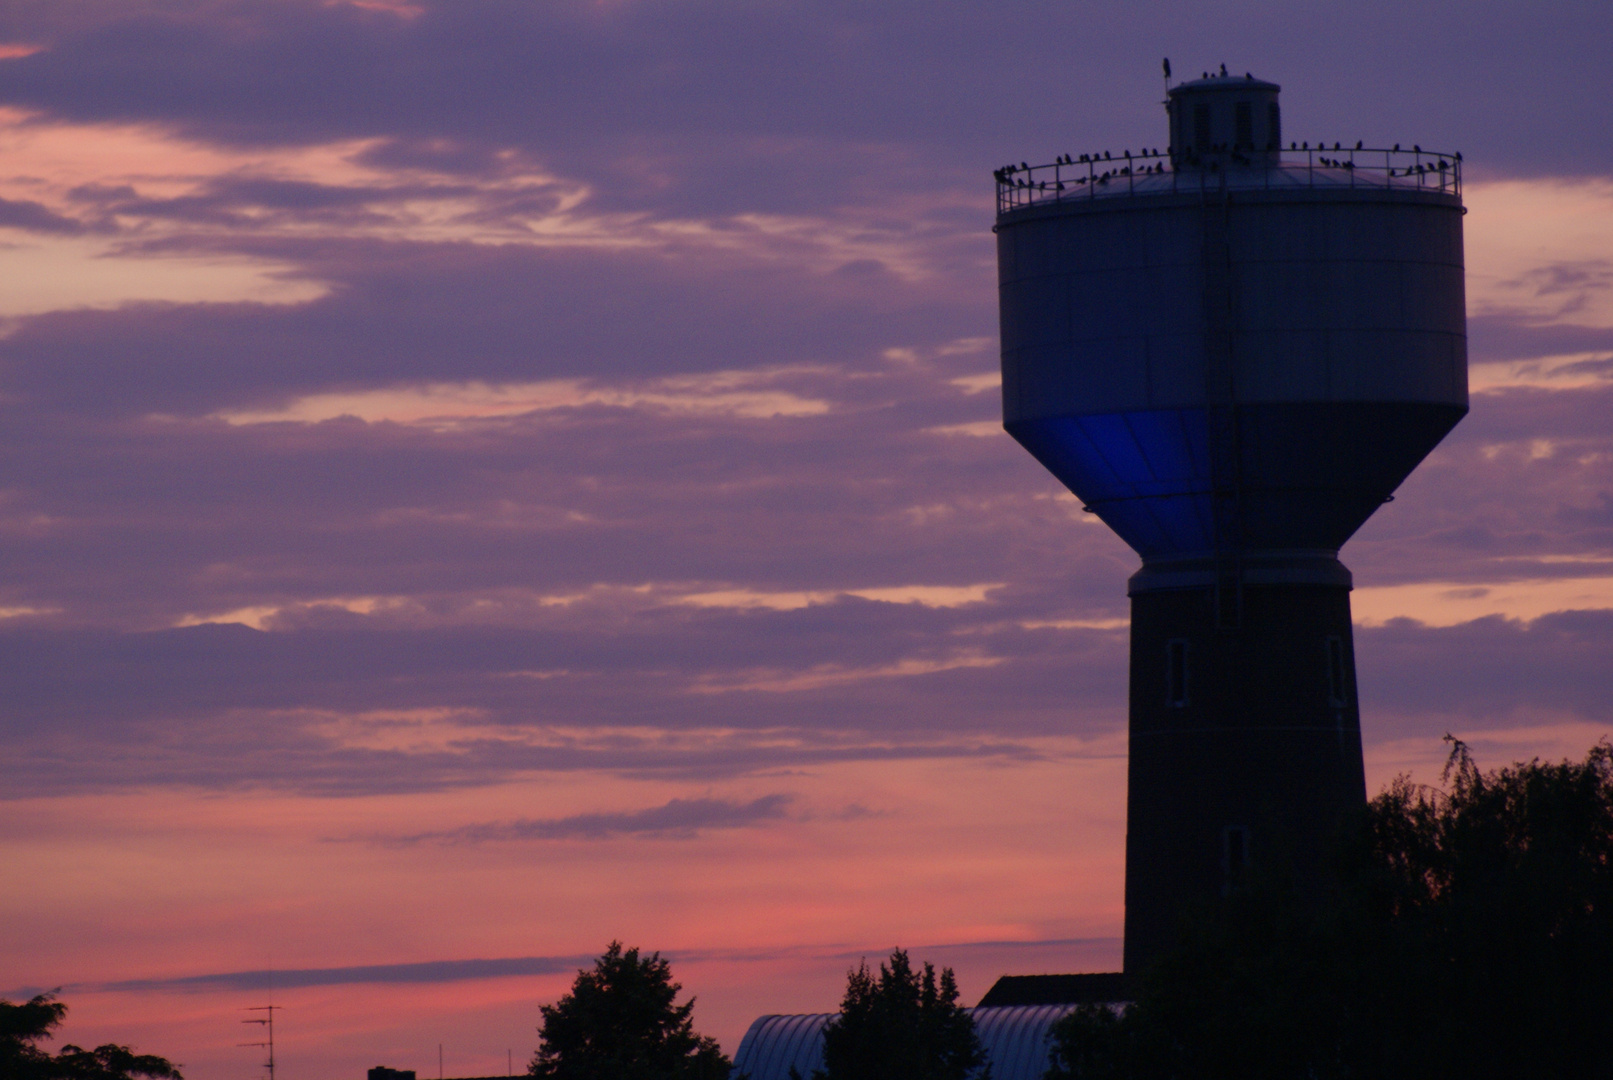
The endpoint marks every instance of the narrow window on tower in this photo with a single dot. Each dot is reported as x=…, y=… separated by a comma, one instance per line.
x=1338, y=690
x=1201, y=129
x=1243, y=118
x=1234, y=858
x=1176, y=673
x=1274, y=127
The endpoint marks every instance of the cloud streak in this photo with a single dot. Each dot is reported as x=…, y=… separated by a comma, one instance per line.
x=447, y=971
x=431, y=971
x=678, y=819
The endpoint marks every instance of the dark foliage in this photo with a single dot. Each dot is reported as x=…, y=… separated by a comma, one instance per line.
x=901, y=1024
x=23, y=1026
x=621, y=1022
x=1471, y=935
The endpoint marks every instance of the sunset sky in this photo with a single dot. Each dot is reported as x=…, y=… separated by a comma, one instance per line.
x=481, y=478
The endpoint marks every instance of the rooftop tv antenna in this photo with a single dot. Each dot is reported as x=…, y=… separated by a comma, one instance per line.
x=267, y=1021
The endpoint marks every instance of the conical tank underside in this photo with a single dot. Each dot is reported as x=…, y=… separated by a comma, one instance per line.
x=1307, y=475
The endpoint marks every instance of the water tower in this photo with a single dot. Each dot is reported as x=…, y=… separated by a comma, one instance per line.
x=1233, y=351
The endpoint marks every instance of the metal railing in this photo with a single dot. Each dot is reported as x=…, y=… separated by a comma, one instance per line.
x=1095, y=176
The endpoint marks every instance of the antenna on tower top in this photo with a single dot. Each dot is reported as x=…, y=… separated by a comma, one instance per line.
x=1167, y=74
x=267, y=1020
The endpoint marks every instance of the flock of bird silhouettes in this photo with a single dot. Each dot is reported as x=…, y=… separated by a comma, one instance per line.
x=1007, y=175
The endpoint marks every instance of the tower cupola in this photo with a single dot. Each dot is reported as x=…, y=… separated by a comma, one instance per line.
x=1224, y=122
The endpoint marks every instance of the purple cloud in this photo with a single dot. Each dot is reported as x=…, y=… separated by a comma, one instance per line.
x=676, y=819
x=430, y=971
x=35, y=217
x=729, y=74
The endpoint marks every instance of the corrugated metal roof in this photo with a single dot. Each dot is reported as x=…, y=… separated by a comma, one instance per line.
x=1015, y=1039
x=775, y=1043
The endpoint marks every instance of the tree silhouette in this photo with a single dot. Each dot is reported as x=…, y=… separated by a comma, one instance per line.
x=621, y=1022
x=901, y=1024
x=23, y=1026
x=1470, y=935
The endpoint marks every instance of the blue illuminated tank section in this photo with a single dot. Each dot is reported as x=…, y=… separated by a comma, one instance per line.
x=1309, y=477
